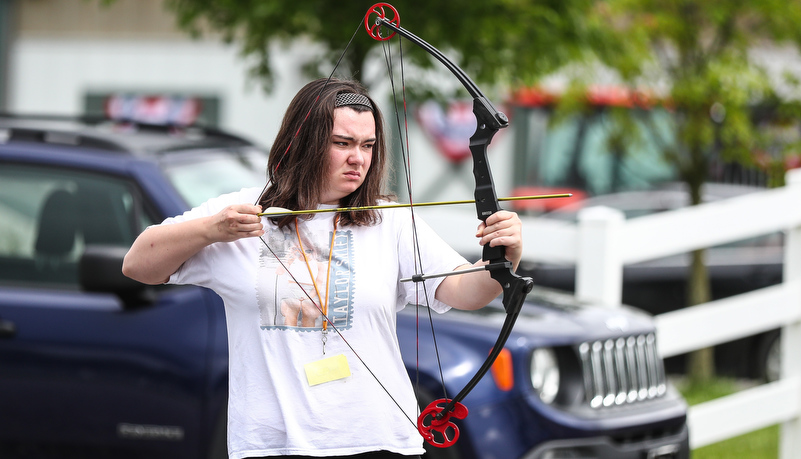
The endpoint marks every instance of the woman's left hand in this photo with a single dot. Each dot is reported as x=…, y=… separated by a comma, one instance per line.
x=474, y=290
x=503, y=228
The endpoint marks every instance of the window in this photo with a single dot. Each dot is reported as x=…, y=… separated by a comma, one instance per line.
x=48, y=216
x=587, y=152
x=199, y=176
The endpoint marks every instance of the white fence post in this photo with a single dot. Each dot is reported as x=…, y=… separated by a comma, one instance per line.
x=790, y=442
x=599, y=266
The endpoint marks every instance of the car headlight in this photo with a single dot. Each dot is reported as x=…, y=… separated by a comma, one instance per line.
x=545, y=374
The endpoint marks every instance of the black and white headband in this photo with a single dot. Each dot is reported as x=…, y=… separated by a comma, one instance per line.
x=350, y=98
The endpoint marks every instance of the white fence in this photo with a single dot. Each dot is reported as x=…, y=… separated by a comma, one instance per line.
x=603, y=242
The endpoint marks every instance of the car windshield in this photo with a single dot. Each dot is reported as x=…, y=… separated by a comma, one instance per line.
x=199, y=176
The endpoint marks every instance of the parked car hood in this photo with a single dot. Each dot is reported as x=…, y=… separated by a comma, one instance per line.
x=556, y=318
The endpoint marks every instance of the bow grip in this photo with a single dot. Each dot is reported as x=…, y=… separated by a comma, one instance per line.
x=488, y=122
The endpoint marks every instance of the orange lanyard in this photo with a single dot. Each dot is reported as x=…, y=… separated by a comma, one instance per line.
x=323, y=300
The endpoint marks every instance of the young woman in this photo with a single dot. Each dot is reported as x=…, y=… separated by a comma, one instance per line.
x=302, y=294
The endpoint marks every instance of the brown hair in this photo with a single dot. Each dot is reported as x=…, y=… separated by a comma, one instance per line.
x=298, y=162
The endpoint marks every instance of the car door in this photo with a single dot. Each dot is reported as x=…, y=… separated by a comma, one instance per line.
x=83, y=372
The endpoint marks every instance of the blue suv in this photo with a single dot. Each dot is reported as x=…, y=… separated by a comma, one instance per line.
x=93, y=364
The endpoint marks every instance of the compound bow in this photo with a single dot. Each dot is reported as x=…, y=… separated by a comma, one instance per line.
x=436, y=418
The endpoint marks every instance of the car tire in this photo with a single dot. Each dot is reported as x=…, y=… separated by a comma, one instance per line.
x=768, y=359
x=218, y=448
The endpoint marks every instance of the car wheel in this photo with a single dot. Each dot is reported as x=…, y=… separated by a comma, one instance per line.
x=219, y=442
x=769, y=358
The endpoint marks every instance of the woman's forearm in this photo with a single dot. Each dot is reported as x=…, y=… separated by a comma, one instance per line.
x=160, y=250
x=468, y=291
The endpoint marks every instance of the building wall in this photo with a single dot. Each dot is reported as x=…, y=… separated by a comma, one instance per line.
x=7, y=27
x=65, y=49
x=131, y=19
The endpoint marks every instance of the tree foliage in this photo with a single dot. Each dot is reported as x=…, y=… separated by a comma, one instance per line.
x=695, y=55
x=698, y=58
x=496, y=41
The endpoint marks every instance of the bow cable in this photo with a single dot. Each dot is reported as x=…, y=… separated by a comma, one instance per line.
x=436, y=417
x=418, y=261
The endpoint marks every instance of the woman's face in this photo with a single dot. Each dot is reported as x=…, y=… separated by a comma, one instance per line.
x=350, y=153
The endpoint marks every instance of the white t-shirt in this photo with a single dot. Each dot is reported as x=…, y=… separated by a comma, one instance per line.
x=273, y=332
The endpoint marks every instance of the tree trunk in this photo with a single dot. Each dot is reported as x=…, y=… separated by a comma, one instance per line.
x=700, y=363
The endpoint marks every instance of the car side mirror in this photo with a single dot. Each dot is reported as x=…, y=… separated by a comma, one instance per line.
x=100, y=270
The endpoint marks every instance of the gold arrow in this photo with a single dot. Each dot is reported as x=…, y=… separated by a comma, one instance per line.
x=280, y=212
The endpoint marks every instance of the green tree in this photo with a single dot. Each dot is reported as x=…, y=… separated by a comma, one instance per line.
x=497, y=41
x=695, y=51
x=699, y=55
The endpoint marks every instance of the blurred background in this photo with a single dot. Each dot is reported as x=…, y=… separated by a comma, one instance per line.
x=69, y=57
x=638, y=105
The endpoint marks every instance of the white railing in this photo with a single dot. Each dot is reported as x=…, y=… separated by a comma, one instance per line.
x=603, y=242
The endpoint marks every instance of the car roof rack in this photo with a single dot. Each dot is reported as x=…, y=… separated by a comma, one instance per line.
x=113, y=135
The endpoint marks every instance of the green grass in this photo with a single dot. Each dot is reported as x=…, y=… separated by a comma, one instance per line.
x=760, y=444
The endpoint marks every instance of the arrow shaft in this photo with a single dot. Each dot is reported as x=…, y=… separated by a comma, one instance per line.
x=283, y=212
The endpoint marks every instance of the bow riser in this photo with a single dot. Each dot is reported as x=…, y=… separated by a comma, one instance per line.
x=488, y=122
x=487, y=125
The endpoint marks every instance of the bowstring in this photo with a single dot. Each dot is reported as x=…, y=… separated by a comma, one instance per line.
x=406, y=160
x=418, y=261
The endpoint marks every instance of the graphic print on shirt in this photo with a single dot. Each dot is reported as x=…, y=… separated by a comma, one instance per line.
x=286, y=291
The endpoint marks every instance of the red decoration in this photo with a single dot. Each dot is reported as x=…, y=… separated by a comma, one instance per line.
x=153, y=109
x=450, y=130
x=373, y=28
x=446, y=431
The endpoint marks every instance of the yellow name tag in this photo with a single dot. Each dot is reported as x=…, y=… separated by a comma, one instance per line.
x=328, y=369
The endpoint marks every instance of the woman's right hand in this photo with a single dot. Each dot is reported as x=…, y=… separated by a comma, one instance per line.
x=236, y=222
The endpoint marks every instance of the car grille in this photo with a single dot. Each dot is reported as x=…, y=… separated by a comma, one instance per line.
x=623, y=370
